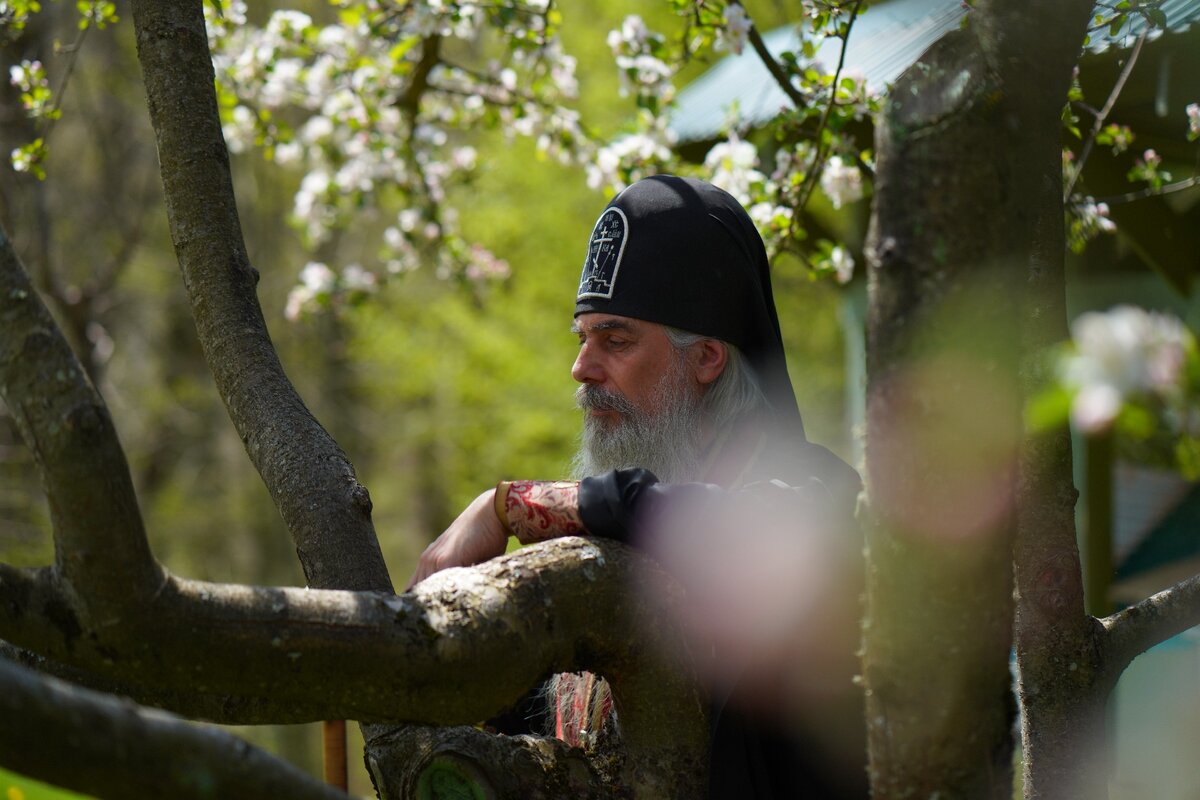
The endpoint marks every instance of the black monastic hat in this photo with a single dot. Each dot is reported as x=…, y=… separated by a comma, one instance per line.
x=683, y=253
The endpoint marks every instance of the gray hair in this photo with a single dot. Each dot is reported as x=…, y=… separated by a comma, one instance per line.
x=735, y=392
x=581, y=706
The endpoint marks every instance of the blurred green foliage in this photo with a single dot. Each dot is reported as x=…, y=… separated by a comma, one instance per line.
x=18, y=787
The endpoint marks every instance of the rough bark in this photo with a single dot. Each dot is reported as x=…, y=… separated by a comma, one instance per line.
x=100, y=543
x=309, y=477
x=409, y=761
x=379, y=657
x=117, y=749
x=1136, y=629
x=419, y=656
x=967, y=258
x=1062, y=686
x=942, y=428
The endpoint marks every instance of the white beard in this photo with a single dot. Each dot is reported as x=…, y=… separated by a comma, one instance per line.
x=664, y=439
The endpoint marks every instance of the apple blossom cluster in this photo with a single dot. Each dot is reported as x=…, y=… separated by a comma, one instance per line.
x=1193, y=115
x=633, y=156
x=801, y=143
x=1087, y=220
x=322, y=288
x=377, y=116
x=1128, y=360
x=732, y=36
x=841, y=182
x=1149, y=168
x=14, y=14
x=29, y=77
x=639, y=55
x=733, y=165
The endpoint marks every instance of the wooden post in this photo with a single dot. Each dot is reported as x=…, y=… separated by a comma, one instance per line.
x=333, y=747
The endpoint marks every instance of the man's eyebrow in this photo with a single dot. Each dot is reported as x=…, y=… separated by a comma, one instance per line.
x=606, y=325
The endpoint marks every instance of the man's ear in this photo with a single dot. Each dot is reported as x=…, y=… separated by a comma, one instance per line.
x=709, y=357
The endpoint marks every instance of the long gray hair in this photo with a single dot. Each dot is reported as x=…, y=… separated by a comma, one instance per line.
x=735, y=392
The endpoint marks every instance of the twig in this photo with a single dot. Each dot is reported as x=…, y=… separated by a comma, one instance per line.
x=1136, y=629
x=1150, y=191
x=73, y=52
x=810, y=181
x=1098, y=122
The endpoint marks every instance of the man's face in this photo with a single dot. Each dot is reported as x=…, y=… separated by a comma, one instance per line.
x=623, y=356
x=641, y=399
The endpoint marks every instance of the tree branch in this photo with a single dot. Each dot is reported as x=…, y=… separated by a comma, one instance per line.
x=814, y=174
x=1136, y=629
x=383, y=658
x=309, y=477
x=1102, y=114
x=1150, y=191
x=768, y=60
x=243, y=710
x=100, y=543
x=94, y=743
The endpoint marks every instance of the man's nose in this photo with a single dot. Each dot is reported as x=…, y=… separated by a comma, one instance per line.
x=586, y=369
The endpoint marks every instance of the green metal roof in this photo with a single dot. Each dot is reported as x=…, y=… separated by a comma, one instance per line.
x=884, y=41
x=1175, y=538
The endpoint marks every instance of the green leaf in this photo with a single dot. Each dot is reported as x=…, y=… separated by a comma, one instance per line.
x=1136, y=421
x=1048, y=410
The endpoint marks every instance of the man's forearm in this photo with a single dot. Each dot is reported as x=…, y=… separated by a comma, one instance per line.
x=534, y=511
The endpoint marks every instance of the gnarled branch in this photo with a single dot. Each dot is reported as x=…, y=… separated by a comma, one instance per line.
x=100, y=543
x=417, y=657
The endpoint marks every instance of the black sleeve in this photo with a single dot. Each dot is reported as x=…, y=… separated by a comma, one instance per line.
x=608, y=503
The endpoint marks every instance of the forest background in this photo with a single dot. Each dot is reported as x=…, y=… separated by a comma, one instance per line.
x=436, y=386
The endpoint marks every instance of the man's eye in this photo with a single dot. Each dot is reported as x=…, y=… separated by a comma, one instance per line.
x=617, y=344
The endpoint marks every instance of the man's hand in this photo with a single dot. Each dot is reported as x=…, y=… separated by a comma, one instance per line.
x=473, y=538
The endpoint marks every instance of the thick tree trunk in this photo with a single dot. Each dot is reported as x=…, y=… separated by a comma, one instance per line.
x=942, y=428
x=967, y=178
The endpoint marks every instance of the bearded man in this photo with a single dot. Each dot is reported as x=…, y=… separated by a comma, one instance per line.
x=693, y=449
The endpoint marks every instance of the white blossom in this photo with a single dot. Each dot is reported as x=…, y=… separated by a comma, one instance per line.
x=317, y=277
x=632, y=34
x=287, y=23
x=1095, y=215
x=355, y=278
x=241, y=130
x=737, y=28
x=1193, y=115
x=1123, y=352
x=627, y=160
x=841, y=182
x=734, y=168
x=843, y=264
x=22, y=160
x=288, y=153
